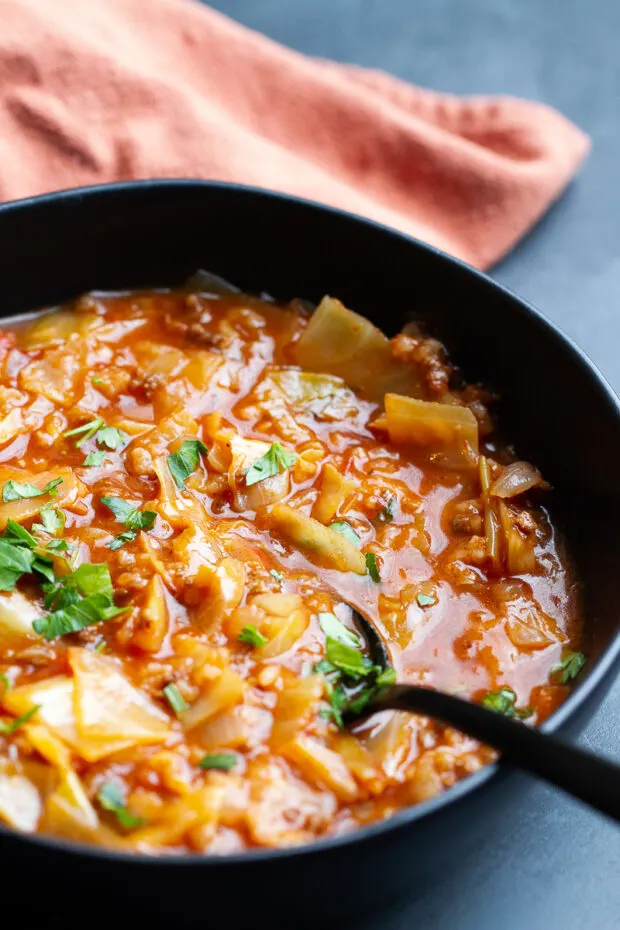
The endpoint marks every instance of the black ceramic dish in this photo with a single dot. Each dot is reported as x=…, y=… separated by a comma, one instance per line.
x=555, y=407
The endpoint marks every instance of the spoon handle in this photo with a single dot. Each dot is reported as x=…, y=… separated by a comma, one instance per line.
x=587, y=777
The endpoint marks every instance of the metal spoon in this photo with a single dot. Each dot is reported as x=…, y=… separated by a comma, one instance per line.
x=587, y=777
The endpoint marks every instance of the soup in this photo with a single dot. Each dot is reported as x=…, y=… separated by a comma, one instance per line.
x=197, y=487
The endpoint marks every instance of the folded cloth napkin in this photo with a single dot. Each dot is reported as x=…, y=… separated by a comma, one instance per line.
x=104, y=90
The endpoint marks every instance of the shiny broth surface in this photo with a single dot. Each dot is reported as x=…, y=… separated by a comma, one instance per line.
x=193, y=490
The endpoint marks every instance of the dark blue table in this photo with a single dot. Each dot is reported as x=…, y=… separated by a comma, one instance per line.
x=559, y=868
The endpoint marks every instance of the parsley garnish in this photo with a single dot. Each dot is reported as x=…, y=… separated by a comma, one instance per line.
x=426, y=600
x=569, y=667
x=275, y=460
x=218, y=760
x=277, y=575
x=332, y=627
x=111, y=799
x=503, y=702
x=252, y=636
x=347, y=659
x=6, y=684
x=133, y=518
x=78, y=600
x=85, y=432
x=387, y=513
x=95, y=459
x=110, y=437
x=185, y=462
x=18, y=556
x=347, y=531
x=107, y=436
x=372, y=568
x=13, y=491
x=7, y=728
x=175, y=698
x=51, y=520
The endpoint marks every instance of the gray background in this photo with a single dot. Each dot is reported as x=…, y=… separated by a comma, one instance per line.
x=559, y=869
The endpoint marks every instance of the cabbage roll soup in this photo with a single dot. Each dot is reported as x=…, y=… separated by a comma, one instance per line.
x=196, y=487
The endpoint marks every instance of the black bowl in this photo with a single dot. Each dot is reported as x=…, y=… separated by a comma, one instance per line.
x=555, y=407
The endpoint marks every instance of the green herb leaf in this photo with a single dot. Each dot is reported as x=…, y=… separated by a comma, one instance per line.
x=57, y=545
x=347, y=531
x=96, y=380
x=372, y=568
x=503, y=702
x=93, y=579
x=275, y=460
x=8, y=728
x=85, y=432
x=5, y=684
x=569, y=668
x=111, y=799
x=52, y=520
x=95, y=459
x=337, y=698
x=121, y=539
x=386, y=677
x=15, y=561
x=387, y=513
x=426, y=600
x=277, y=575
x=132, y=517
x=44, y=567
x=218, y=760
x=18, y=535
x=331, y=626
x=184, y=463
x=175, y=698
x=86, y=612
x=252, y=636
x=347, y=659
x=13, y=491
x=110, y=437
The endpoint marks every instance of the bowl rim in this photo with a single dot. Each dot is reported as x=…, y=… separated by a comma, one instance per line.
x=408, y=815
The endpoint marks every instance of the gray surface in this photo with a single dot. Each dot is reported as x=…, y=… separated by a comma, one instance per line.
x=559, y=868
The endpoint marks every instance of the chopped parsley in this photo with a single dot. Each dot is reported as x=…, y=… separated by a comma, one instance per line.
x=110, y=437
x=503, y=702
x=275, y=460
x=426, y=600
x=5, y=684
x=347, y=531
x=95, y=459
x=85, y=432
x=107, y=436
x=13, y=491
x=18, y=556
x=111, y=799
x=277, y=575
x=569, y=668
x=218, y=760
x=133, y=518
x=52, y=520
x=351, y=678
x=332, y=627
x=387, y=513
x=347, y=659
x=7, y=728
x=77, y=601
x=252, y=636
x=184, y=463
x=175, y=698
x=372, y=568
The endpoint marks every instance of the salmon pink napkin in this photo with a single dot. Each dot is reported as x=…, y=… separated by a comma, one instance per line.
x=103, y=90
